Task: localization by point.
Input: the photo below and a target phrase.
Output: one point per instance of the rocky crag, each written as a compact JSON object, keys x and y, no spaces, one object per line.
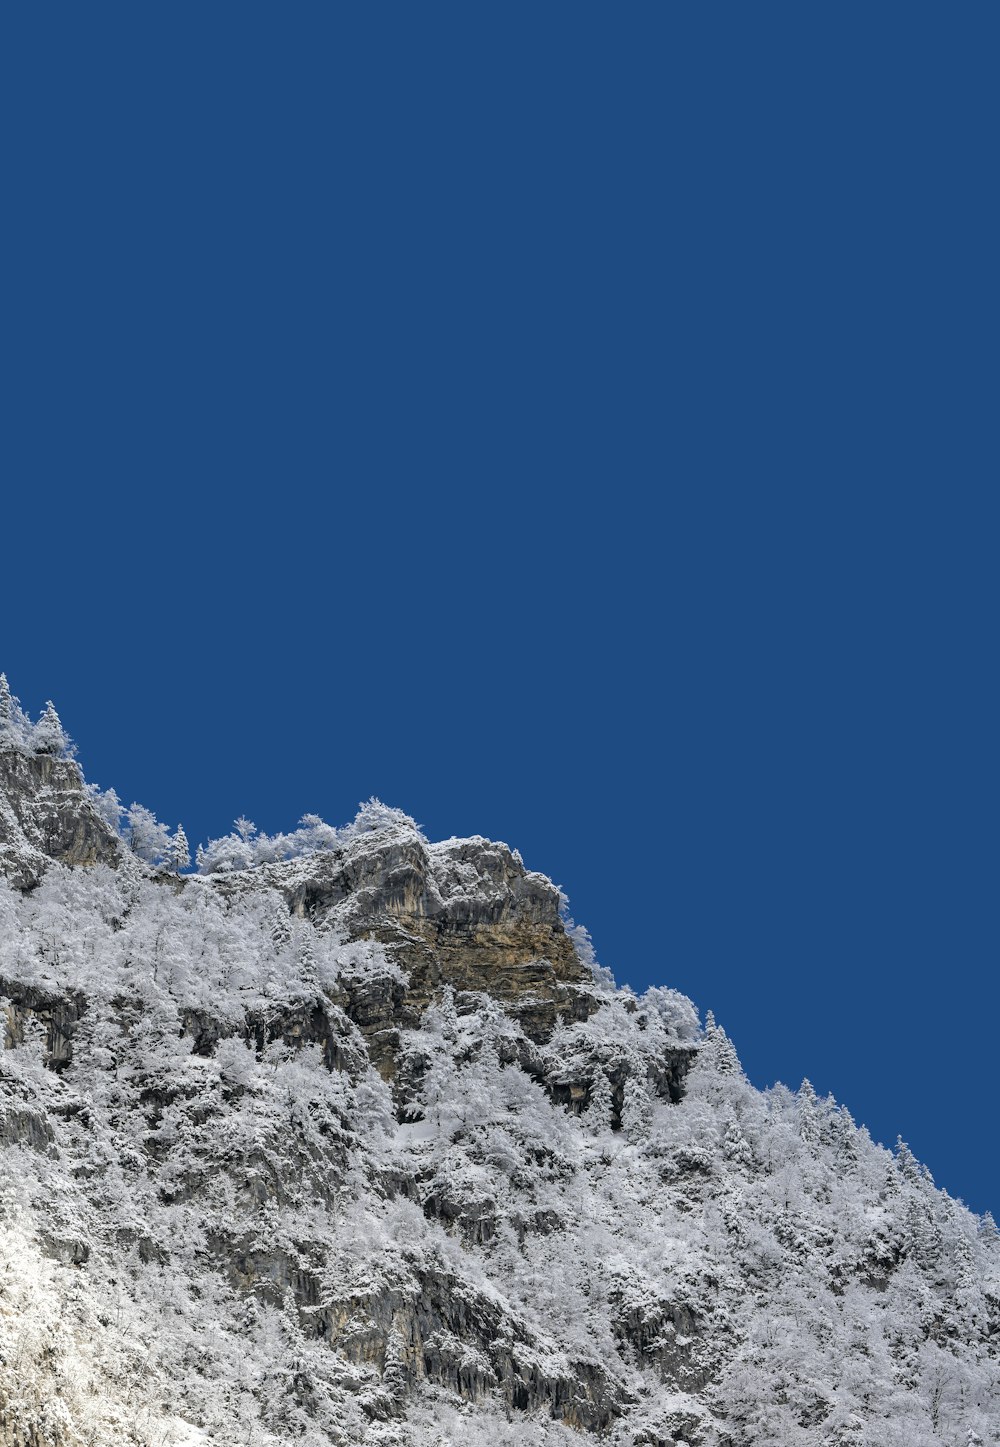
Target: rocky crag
{"x":355,"y":1144}
{"x":46,"y":816}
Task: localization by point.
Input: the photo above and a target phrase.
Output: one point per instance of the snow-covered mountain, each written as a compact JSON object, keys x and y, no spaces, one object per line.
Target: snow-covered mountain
{"x":347,"y":1139}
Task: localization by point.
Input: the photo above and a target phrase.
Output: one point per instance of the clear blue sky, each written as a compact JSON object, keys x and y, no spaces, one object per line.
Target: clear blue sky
{"x":575,"y":424}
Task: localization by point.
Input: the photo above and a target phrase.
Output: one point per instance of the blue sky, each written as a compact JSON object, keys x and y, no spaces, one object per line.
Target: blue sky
{"x":572,"y":424}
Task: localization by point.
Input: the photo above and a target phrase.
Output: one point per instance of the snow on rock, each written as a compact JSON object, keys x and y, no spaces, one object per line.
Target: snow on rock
{"x":46,"y":814}
{"x":349,"y":1141}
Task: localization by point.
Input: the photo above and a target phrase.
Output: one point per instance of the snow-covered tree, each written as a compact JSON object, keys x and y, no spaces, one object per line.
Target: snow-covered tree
{"x":178,"y":852}
{"x":15,"y":727}
{"x":637,"y":1109}
{"x":247,"y":847}
{"x":906,"y":1161}
{"x":313,"y":833}
{"x":736,"y":1146}
{"x":108,"y":806}
{"x":373,"y":817}
{"x":48,"y":736}
{"x":147,"y":837}
{"x":600,"y":1108}
{"x":211,"y":1210}
{"x":6,"y":705}
{"x":222,"y":856}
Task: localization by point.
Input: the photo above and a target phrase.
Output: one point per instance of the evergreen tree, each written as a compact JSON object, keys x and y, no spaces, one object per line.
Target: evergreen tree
{"x":438,"y":1096}
{"x":178,"y":855}
{"x":308,"y":972}
{"x":601,"y":1107}
{"x":11,"y":717}
{"x":395,"y":1374}
{"x":637,"y":1110}
{"x":906,"y":1162}
{"x":720,"y":1049}
{"x":846,"y":1142}
{"x":281,"y":929}
{"x":808,"y":1113}
{"x":48,"y":735}
{"x":735,"y":1145}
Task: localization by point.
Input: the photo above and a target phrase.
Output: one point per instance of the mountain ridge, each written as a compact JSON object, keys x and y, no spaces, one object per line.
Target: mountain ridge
{"x":356,"y":1145}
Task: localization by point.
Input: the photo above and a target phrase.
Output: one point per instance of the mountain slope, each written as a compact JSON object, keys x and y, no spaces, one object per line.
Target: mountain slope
{"x":354,"y":1144}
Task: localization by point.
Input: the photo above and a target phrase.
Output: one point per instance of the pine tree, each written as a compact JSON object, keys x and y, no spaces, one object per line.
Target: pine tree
{"x":720,"y":1049}
{"x":10,"y":730}
{"x":808,"y":1113}
{"x":735,"y":1145}
{"x":178,"y":855}
{"x":601,"y":1106}
{"x":48,"y":735}
{"x":308,"y":972}
{"x":846,"y":1142}
{"x":637,"y":1110}
{"x":281,"y":930}
{"x":396,"y":1372}
{"x":906,"y":1162}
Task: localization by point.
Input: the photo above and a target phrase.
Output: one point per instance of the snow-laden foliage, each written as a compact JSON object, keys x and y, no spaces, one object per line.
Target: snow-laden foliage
{"x":17,"y":731}
{"x":246,"y":846}
{"x":139,"y":828}
{"x":108,"y":806}
{"x":220,"y":1224}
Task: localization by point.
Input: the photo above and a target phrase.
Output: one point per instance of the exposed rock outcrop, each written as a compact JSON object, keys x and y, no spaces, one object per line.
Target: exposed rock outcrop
{"x":355,"y":1148}
{"x":464,"y":913}
{"x":46,"y":814}
{"x":54,"y":1013}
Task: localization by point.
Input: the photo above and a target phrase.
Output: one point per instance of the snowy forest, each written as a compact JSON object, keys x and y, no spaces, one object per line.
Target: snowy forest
{"x":154,"y":842}
{"x":348,"y":1139}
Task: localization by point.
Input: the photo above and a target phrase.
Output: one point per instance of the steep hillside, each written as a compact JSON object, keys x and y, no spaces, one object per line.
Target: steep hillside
{"x":346,"y":1139}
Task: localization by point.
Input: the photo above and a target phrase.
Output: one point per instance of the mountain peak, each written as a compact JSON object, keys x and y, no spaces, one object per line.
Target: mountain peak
{"x":346,"y":1139}
{"x":464,"y":913}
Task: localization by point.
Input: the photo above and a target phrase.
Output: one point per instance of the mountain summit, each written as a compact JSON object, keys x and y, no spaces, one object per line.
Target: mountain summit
{"x":346,"y":1138}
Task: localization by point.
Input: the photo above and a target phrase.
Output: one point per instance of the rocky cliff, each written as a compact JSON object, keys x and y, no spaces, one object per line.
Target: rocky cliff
{"x":46,"y":815}
{"x":356,"y":1147}
{"x":464,"y":914}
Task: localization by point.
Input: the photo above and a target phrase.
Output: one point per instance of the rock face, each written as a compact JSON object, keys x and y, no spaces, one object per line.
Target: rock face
{"x":46,"y":815}
{"x":356,"y":1148}
{"x":464,"y":913}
